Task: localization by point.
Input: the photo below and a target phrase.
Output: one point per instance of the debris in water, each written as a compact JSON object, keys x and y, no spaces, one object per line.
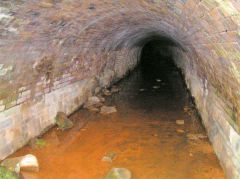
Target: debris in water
{"x":156,"y":87}
{"x":142,"y":89}
{"x":109,"y":157}
{"x":108,"y":109}
{"x":180,"y":122}
{"x":196,"y":136}
{"x":180,"y":131}
{"x":118,"y":173}
{"x":5,"y":173}
{"x":158,"y":80}
{"x":62,"y":121}
{"x":27,"y":163}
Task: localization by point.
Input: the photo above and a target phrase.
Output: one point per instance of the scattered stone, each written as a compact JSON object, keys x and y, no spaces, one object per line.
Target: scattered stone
{"x":109,"y":157}
{"x":93,"y":100}
{"x":108,"y":109}
{"x":196,"y":136}
{"x":27,"y":163}
{"x":158,"y":80}
{"x":106,"y":92}
{"x":180,"y":122}
{"x":97,"y":90}
{"x":156,"y":87}
{"x":114,"y":89}
{"x":118,"y":173}
{"x":189,"y":110}
{"x":93,"y":108}
{"x":180,"y":131}
{"x":62,"y":121}
{"x":5,"y":173}
{"x":186,"y":108}
{"x":102,"y":99}
{"x":37,"y":143}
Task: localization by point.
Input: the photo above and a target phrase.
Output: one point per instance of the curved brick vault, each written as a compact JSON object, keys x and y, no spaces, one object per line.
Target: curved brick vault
{"x":54,"y":53}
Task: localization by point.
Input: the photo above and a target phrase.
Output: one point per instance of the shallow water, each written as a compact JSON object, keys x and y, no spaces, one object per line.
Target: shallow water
{"x":143,"y":132}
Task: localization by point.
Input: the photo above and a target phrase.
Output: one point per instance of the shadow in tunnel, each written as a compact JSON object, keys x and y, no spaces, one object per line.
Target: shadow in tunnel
{"x":156,"y":83}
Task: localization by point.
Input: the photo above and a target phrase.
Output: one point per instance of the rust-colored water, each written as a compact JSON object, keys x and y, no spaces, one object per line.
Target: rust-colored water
{"x":143,"y":132}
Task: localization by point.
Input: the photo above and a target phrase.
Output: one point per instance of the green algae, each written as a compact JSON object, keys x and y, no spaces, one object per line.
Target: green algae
{"x":7,"y":174}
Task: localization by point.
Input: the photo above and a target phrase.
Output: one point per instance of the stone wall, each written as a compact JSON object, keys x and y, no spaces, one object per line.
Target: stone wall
{"x":53,"y":53}
{"x":216,"y":113}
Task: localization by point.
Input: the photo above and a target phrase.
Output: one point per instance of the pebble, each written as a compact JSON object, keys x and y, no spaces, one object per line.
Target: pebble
{"x":108,"y":109}
{"x":118,"y":173}
{"x":180,"y":122}
{"x":196,"y":136}
{"x":114,"y":89}
{"x":93,"y":100}
{"x":156,"y":87}
{"x":109,"y":157}
{"x":180,"y":131}
{"x":106,"y":92}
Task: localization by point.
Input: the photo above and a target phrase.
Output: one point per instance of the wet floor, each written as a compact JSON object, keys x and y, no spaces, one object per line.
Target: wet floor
{"x":143,"y":132}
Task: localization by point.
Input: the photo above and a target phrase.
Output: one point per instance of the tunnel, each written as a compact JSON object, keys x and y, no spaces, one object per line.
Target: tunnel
{"x":55,"y":54}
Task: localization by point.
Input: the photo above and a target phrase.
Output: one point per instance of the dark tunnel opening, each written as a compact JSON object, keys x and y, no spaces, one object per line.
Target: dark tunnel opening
{"x":157,"y":81}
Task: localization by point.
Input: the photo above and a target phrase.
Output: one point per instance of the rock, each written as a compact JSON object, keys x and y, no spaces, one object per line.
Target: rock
{"x":142,"y":89}
{"x":5,"y":173}
{"x":97,"y":90}
{"x":94,"y":100}
{"x":62,"y":121}
{"x":109,"y":157}
{"x":118,"y":173}
{"x":158,"y":80}
{"x":102,"y":99}
{"x":180,"y":122}
{"x":108,"y":109}
{"x":106,"y":92}
{"x":114,"y":89}
{"x":37,"y":143}
{"x":28,"y":163}
{"x":196,"y":136}
{"x":156,"y":87}
{"x":93,"y":108}
{"x":186,"y":108}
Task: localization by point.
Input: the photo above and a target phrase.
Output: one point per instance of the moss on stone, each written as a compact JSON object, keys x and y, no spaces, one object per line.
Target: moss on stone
{"x":7,"y":174}
{"x":62,"y":121}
